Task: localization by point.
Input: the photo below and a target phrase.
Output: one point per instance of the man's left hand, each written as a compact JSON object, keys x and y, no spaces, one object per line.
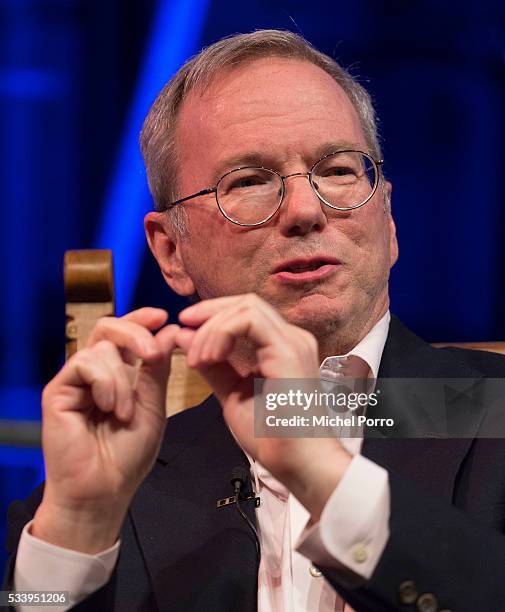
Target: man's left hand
{"x":310,"y":468}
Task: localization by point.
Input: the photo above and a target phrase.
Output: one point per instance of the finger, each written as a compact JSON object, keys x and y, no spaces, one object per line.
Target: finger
{"x":184,"y":338}
{"x":197,"y":314}
{"x":221,"y":377}
{"x":129,"y":358}
{"x":288,"y":351}
{"x":123,"y":388}
{"x":153,"y":375}
{"x":152,"y":318}
{"x":126,"y":335}
{"x":203,"y":344}
{"x":86,"y":369}
{"x":215,"y":339}
{"x":58,"y":398}
{"x":165,"y":338}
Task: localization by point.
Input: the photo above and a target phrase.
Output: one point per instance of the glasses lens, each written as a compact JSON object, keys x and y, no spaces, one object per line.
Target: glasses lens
{"x":346,"y":179}
{"x":249,"y":195}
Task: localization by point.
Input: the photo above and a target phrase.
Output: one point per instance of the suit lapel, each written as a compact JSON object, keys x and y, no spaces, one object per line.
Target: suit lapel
{"x":198,"y":557}
{"x":433,"y":463}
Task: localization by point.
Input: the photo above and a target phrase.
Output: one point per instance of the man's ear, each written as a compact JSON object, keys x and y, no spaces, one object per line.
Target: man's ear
{"x":164,"y":243}
{"x":393,"y":242}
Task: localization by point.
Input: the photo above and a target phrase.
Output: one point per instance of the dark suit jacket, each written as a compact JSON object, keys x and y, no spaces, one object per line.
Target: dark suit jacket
{"x":180,"y":553}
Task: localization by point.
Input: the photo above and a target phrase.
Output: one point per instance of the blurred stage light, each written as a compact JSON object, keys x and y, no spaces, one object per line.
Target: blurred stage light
{"x":175,"y":35}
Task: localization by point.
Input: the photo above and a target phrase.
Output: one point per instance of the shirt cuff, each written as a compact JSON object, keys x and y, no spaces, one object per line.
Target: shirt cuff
{"x":354,"y":526}
{"x":41,"y":566}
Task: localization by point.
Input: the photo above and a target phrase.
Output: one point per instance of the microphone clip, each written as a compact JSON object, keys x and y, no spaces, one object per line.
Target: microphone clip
{"x":227,"y":501}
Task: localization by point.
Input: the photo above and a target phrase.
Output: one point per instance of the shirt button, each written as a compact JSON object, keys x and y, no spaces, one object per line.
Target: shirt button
{"x":314,"y":572}
{"x":359,"y":553}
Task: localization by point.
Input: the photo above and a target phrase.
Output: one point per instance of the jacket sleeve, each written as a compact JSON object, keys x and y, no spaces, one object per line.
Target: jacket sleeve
{"x":437,"y":555}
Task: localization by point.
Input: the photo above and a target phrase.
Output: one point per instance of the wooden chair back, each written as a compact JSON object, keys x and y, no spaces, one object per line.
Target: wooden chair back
{"x":89,"y":292}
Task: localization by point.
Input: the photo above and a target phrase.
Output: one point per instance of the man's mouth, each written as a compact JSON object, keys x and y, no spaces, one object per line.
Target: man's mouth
{"x":305,"y":270}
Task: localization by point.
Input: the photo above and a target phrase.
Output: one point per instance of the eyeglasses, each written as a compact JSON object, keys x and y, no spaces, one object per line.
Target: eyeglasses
{"x":251,"y":196}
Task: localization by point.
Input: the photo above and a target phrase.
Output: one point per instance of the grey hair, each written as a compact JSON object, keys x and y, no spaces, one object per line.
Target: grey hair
{"x":157,"y":139}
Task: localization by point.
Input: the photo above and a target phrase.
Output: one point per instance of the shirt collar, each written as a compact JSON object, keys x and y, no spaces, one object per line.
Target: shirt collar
{"x":371,"y":347}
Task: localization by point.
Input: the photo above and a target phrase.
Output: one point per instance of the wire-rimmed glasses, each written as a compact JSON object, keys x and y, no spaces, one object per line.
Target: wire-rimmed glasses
{"x":250,"y":196}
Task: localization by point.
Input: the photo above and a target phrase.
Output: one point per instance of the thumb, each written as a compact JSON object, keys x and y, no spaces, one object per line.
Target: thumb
{"x":223,"y":378}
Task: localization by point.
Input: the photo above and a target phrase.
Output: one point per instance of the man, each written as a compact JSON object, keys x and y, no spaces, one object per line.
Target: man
{"x":266,"y":154}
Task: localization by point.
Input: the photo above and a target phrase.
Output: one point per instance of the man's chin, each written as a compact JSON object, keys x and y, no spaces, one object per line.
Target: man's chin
{"x":317,"y":316}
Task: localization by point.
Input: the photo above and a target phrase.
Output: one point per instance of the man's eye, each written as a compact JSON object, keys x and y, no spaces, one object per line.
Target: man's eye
{"x":340,"y":171}
{"x":247,"y":182}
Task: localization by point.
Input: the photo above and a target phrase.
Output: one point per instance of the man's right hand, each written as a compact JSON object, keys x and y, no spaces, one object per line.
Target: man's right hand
{"x":103,"y":421}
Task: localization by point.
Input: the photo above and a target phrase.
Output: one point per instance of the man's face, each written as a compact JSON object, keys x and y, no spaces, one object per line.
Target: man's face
{"x":282,"y":114}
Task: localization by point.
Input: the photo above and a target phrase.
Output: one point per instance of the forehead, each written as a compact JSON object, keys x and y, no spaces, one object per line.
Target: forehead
{"x":277,"y":106}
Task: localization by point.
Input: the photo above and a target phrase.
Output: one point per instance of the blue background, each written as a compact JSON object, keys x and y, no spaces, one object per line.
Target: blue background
{"x":76,"y":79}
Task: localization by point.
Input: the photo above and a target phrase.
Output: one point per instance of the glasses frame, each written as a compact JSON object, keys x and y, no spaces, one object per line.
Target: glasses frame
{"x":377,"y":164}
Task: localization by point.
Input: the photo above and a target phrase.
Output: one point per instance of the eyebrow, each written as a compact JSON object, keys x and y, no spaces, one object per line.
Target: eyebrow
{"x":255,"y":158}
{"x":238,"y":161}
{"x":337,"y":145}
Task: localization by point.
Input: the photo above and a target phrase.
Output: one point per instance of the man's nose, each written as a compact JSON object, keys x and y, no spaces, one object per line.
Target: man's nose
{"x":301,"y":211}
